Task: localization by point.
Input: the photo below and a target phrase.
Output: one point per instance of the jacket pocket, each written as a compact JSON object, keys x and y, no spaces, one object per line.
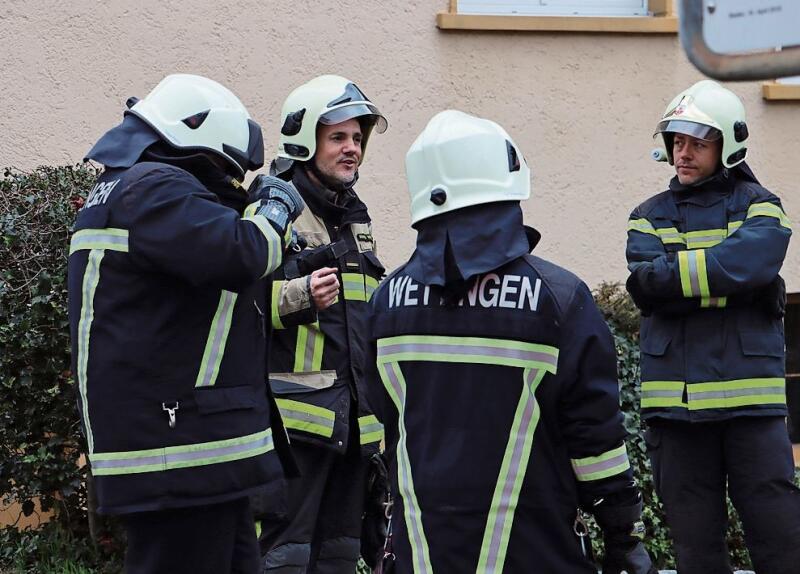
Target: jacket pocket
{"x":761,"y":344}
{"x":655,"y":338}
{"x":221,"y":399}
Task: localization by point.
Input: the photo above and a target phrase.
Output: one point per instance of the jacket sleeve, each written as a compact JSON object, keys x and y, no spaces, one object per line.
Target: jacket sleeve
{"x":292,"y":304}
{"x":179,"y":228}
{"x":589,"y":411}
{"x":747,"y":260}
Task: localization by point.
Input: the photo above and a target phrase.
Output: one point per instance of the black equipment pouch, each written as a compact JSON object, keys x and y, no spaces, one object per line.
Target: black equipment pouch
{"x":309,"y":260}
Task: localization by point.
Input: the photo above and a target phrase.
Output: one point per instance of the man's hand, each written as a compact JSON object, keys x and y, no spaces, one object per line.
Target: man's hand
{"x":276,"y":200}
{"x":623,"y":533}
{"x":324,"y":287}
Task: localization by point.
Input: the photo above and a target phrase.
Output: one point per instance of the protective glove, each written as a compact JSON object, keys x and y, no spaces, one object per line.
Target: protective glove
{"x":277,"y":201}
{"x":375,"y":522}
{"x":623,"y":533}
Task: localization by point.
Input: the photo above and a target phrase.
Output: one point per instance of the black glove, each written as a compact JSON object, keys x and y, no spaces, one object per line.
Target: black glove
{"x":276,"y":200}
{"x":623,"y":532}
{"x":375,"y":524}
{"x":772,"y":298}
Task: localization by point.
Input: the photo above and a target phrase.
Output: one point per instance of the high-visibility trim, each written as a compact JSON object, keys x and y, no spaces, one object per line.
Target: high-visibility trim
{"x":693,"y":273}
{"x":309,"y":347}
{"x":736,"y":393}
{"x":395,"y":384}
{"x":308,"y":418}
{"x":733,"y":226}
{"x":604,"y":465}
{"x":660,"y":394}
{"x":91,"y":278}
{"x":468,"y":350}
{"x":274,"y":246}
{"x":216,"y":341}
{"x":183,"y":456}
{"x":704,"y":238}
{"x":512,"y":473}
{"x":110,"y":239}
{"x":713,"y":302}
{"x":358,"y":286}
{"x":642,"y":226}
{"x":697,"y":239}
{"x":277,"y":287}
{"x":370,"y":429}
{"x":767,"y":209}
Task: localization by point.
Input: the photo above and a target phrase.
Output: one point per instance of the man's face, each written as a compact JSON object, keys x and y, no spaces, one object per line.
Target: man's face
{"x":695,"y":159}
{"x":339,"y":150}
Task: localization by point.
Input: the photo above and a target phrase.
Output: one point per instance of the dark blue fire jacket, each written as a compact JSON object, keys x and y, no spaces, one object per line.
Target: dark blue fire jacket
{"x":168,"y":343}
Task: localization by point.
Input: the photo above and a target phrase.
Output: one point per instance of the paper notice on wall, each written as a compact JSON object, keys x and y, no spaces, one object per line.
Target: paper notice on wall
{"x":740,"y":26}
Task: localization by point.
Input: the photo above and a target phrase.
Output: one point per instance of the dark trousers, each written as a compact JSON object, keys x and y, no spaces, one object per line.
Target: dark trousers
{"x":213,"y":539}
{"x":321,"y":532}
{"x":692,"y":465}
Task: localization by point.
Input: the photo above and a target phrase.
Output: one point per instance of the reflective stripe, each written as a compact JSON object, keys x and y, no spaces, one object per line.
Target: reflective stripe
{"x":277,"y":286}
{"x":370,"y":429}
{"x":704,"y":238}
{"x":700,"y":238}
{"x":713,"y":302}
{"x":468,"y":350}
{"x":737,"y":393}
{"x":642,"y":226}
{"x":91,"y":278}
{"x":693,"y":274}
{"x":274,"y":247}
{"x":183,"y":456}
{"x":512,"y":472}
{"x":308,"y":418}
{"x":601,"y":466}
{"x":395,"y":384}
{"x":358,"y":287}
{"x":733,"y":226}
{"x":670,"y":235}
{"x":109,"y":238}
{"x":767,"y":209}
{"x":217,"y":338}
{"x":714,"y":395}
{"x":308,"y":352}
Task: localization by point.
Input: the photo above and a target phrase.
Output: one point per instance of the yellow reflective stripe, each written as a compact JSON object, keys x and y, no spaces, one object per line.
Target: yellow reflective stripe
{"x":693,"y":273}
{"x":657,"y":394}
{"x":737,"y":393}
{"x":767,"y":209}
{"x":308,"y":352}
{"x":601,"y":466}
{"x":182,"y":456}
{"x":274,"y":306}
{"x":670,"y":235}
{"x":702,"y":272}
{"x":733,"y":226}
{"x":274,"y":248}
{"x":216,"y":341}
{"x":642,"y":226}
{"x":358,"y":286}
{"x":305,"y":417}
{"x":110,"y":239}
{"x":91,"y":278}
{"x":683,"y":271}
{"x":704,"y":238}
{"x":370,"y":429}
{"x":713,"y":302}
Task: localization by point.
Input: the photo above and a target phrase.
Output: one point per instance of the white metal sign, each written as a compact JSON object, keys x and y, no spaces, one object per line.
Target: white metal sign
{"x":740,"y":26}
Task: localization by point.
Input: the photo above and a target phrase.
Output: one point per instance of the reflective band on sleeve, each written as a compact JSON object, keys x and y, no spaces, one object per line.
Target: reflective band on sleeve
{"x":512,"y":473}
{"x":693,"y":274}
{"x":370,"y":429}
{"x":217,"y":338}
{"x":468,"y":350}
{"x":737,"y":393}
{"x":642,"y":226}
{"x":713,"y":302}
{"x":274,"y":252}
{"x":395,"y":384}
{"x":733,"y":226}
{"x":601,"y":466}
{"x":91,"y":278}
{"x":308,"y":418}
{"x":767,"y":209}
{"x":704,"y":238}
{"x":308,"y":352}
{"x":110,"y":239}
{"x":183,"y":456}
{"x":358,"y":287}
{"x":663,"y":394}
{"x":277,"y":287}
{"x":669,"y":235}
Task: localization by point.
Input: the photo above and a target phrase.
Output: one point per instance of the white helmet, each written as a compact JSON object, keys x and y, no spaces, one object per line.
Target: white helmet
{"x":195,"y":113}
{"x":460,"y":160}
{"x":707,"y":111}
{"x":328,"y":100}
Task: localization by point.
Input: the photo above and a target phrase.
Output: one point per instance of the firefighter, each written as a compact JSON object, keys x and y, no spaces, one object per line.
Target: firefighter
{"x":168,"y":346}
{"x":319,"y":306}
{"x":704,"y":258}
{"x":497,"y":377}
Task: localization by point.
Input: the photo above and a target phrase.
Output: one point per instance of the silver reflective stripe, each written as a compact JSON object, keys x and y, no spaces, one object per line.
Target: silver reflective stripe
{"x":420,"y":555}
{"x":370,"y":429}
{"x":91,"y":277}
{"x":602,"y":466}
{"x":183,"y":456}
{"x":309,"y":418}
{"x":512,"y":473}
{"x":693,"y":279}
{"x":109,"y":238}
{"x":274,"y":255}
{"x":217,"y":338}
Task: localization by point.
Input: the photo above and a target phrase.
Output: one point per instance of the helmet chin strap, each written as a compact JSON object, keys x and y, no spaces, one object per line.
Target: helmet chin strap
{"x":329,"y":182}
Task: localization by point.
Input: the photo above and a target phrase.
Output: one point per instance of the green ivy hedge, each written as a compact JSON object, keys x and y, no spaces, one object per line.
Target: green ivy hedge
{"x":40,"y":437}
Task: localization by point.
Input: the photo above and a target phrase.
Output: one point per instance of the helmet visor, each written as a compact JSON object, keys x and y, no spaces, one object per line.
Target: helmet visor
{"x":355,"y":110}
{"x":694,"y":129}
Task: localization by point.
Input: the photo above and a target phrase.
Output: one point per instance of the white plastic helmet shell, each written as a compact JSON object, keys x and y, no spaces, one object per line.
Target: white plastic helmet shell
{"x":329,"y":100}
{"x":705,"y":105}
{"x":193,"y":112}
{"x":461,"y":160}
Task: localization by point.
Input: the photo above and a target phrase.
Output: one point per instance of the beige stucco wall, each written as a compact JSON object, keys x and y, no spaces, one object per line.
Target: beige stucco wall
{"x":581,"y":106}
